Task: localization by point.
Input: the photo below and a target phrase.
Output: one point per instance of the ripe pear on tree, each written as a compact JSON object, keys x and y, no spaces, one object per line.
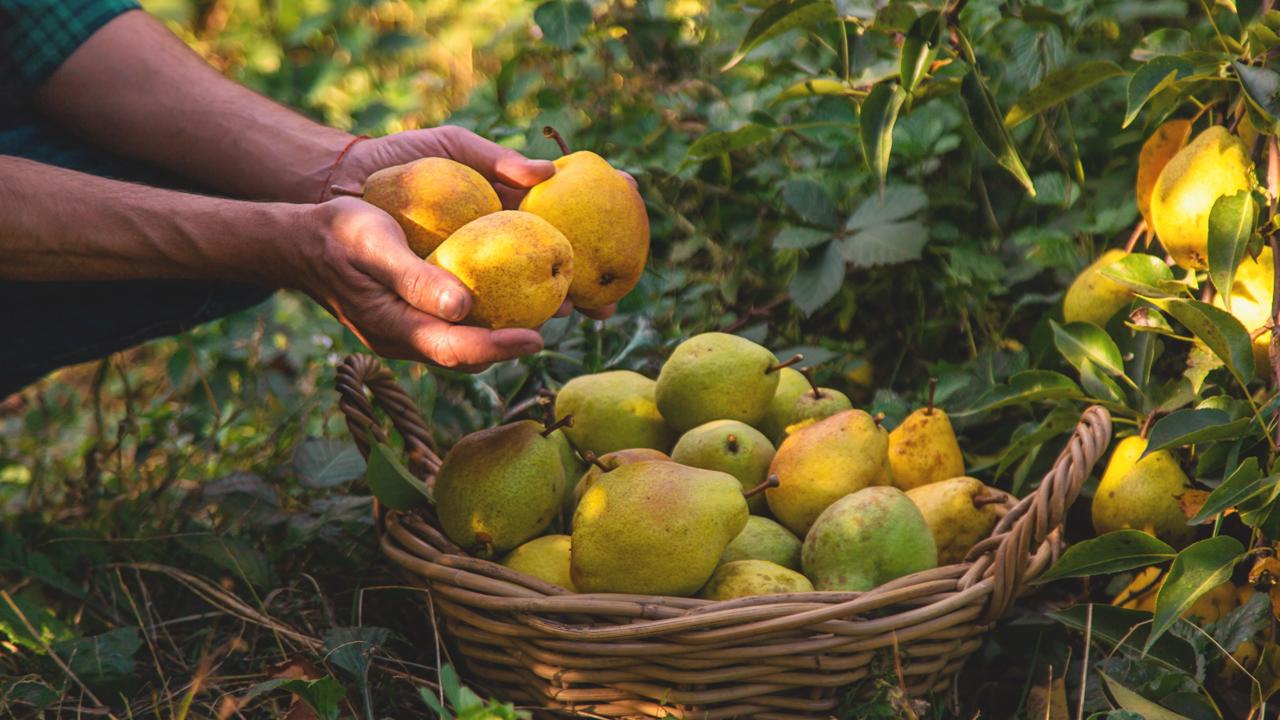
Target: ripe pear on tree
{"x":717,"y":376}
{"x":605,"y":220}
{"x":1142,"y":494}
{"x":1250,"y":303}
{"x":499,"y":487}
{"x":1093,"y":297}
{"x":430,"y":198}
{"x":764,"y":539}
{"x":732,"y":447}
{"x":1213,"y":165}
{"x":516,"y":265}
{"x":745,"y":578}
{"x":923,"y":449}
{"x":546,"y":558}
{"x":960,"y":512}
{"x":613,"y":411}
{"x":866,"y":539}
{"x":654,"y":528}
{"x":822,"y":463}
{"x":1156,"y":152}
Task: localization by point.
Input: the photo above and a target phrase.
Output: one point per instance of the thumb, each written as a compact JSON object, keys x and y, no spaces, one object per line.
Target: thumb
{"x":429,"y":288}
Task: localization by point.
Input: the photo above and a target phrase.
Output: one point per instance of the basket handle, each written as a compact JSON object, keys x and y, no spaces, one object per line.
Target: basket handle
{"x":358,"y":372}
{"x":1022,"y":531}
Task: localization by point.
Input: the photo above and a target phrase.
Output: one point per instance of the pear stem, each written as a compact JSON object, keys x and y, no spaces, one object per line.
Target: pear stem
{"x":808,"y":375}
{"x":552,"y":133}
{"x":770,"y":482}
{"x":878,"y":418}
{"x":981,"y":501}
{"x":594,"y":460}
{"x":933,"y":389}
{"x":566,"y":421}
{"x":344,"y":190}
{"x":1147,"y":423}
{"x":784,"y":364}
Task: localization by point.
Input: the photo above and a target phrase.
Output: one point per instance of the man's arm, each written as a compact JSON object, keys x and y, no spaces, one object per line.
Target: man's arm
{"x":352,"y":258}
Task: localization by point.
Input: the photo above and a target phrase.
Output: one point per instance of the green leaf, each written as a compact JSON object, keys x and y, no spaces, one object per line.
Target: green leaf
{"x":876,"y":119}
{"x":1195,"y":571}
{"x":1025,"y":387}
{"x":726,"y":141}
{"x":811,"y":201}
{"x":799,"y":238}
{"x":1058,"y":87}
{"x":886,"y":244}
{"x":351,"y":649}
{"x":1117,"y":626}
{"x":391,"y":482}
{"x":1141,"y":273}
{"x":1154,"y":76}
{"x":323,"y":463}
{"x":1262,"y":87}
{"x":1080,"y":342}
{"x":102,"y":661}
{"x":814,"y":87}
{"x":987,"y":122}
{"x":1231,"y":224}
{"x":1096,"y":383}
{"x":1110,"y":553}
{"x":778,"y":19}
{"x":1244,"y":484}
{"x":323,"y":696}
{"x":920,"y":48}
{"x":232,"y":554}
{"x":1190,"y":427}
{"x":818,"y":279}
{"x":1133,"y":702}
{"x":1225,"y":337}
{"x":897,"y":202}
{"x":563,"y":21}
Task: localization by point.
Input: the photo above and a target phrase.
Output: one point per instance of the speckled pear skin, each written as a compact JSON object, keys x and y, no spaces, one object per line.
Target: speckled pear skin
{"x":1142,"y":494}
{"x":957,"y":522}
{"x":923,"y":449}
{"x":716,"y":376}
{"x":605,"y":220}
{"x":546,"y":558}
{"x":516,"y":265}
{"x":866,"y":539}
{"x":612,"y":461}
{"x":764,"y":539}
{"x":499,"y":487}
{"x":821,"y":463}
{"x":613,"y":411}
{"x":745,"y":578}
{"x":654,"y":528}
{"x":732,"y":447}
{"x":431,"y":198}
{"x":1093,"y":297}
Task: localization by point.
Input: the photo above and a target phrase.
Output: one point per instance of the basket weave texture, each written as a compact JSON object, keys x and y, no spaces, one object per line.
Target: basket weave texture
{"x":770,"y":657}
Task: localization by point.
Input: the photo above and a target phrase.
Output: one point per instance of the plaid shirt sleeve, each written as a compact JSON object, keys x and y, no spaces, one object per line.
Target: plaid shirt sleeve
{"x":37,"y":36}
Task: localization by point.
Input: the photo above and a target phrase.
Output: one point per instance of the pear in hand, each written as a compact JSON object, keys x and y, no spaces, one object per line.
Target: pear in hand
{"x":605,"y":220}
{"x":960,"y":512}
{"x":431,"y":198}
{"x":613,"y":411}
{"x":716,"y":376}
{"x":654,"y":528}
{"x":1142,"y":494}
{"x":764,"y":539}
{"x":744,"y":578}
{"x":732,"y":447}
{"x":923,"y":449}
{"x":822,"y":463}
{"x":499,"y":487}
{"x":516,"y":265}
{"x":546,"y":558}
{"x":867,"y":539}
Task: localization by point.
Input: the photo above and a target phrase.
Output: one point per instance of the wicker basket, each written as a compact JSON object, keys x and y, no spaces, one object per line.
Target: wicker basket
{"x":776,"y":656}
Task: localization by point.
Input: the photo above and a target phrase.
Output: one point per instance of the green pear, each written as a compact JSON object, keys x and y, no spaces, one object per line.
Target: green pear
{"x":866,"y":539}
{"x":716,"y":376}
{"x":546,"y":558}
{"x":573,"y":465}
{"x":613,"y":411}
{"x":923,"y":449}
{"x":764,"y":539}
{"x":791,"y":385}
{"x":604,"y":218}
{"x":499,"y":487}
{"x":654,"y":528}
{"x":744,"y":578}
{"x":960,"y":512}
{"x":1142,"y":494}
{"x":609,"y":462}
{"x":732,"y":447}
{"x":431,"y":198}
{"x":822,"y":463}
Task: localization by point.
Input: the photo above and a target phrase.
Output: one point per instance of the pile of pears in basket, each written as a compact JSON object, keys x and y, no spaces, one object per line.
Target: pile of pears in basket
{"x":731,"y":475}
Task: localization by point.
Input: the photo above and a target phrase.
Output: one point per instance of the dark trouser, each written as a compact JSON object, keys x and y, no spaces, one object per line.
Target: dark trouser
{"x":48,"y":325}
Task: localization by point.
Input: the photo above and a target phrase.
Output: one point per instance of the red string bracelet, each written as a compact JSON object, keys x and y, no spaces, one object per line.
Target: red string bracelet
{"x":324,"y":189}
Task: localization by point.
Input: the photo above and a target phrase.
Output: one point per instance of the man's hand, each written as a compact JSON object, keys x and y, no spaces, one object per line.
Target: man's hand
{"x":363,"y":272}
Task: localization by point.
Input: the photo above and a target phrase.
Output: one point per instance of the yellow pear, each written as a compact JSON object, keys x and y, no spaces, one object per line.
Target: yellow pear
{"x":821,"y":463}
{"x":1140,"y":594}
{"x":546,"y":558}
{"x":516,"y":265}
{"x":1093,"y":298}
{"x":431,"y":198}
{"x":605,"y":220}
{"x":1214,"y":164}
{"x":960,"y":512}
{"x":744,"y":578}
{"x":1156,"y":152}
{"x":1251,"y":294}
{"x":1142,"y":495}
{"x":923,"y":449}
{"x":612,"y":411}
{"x":608,"y":462}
